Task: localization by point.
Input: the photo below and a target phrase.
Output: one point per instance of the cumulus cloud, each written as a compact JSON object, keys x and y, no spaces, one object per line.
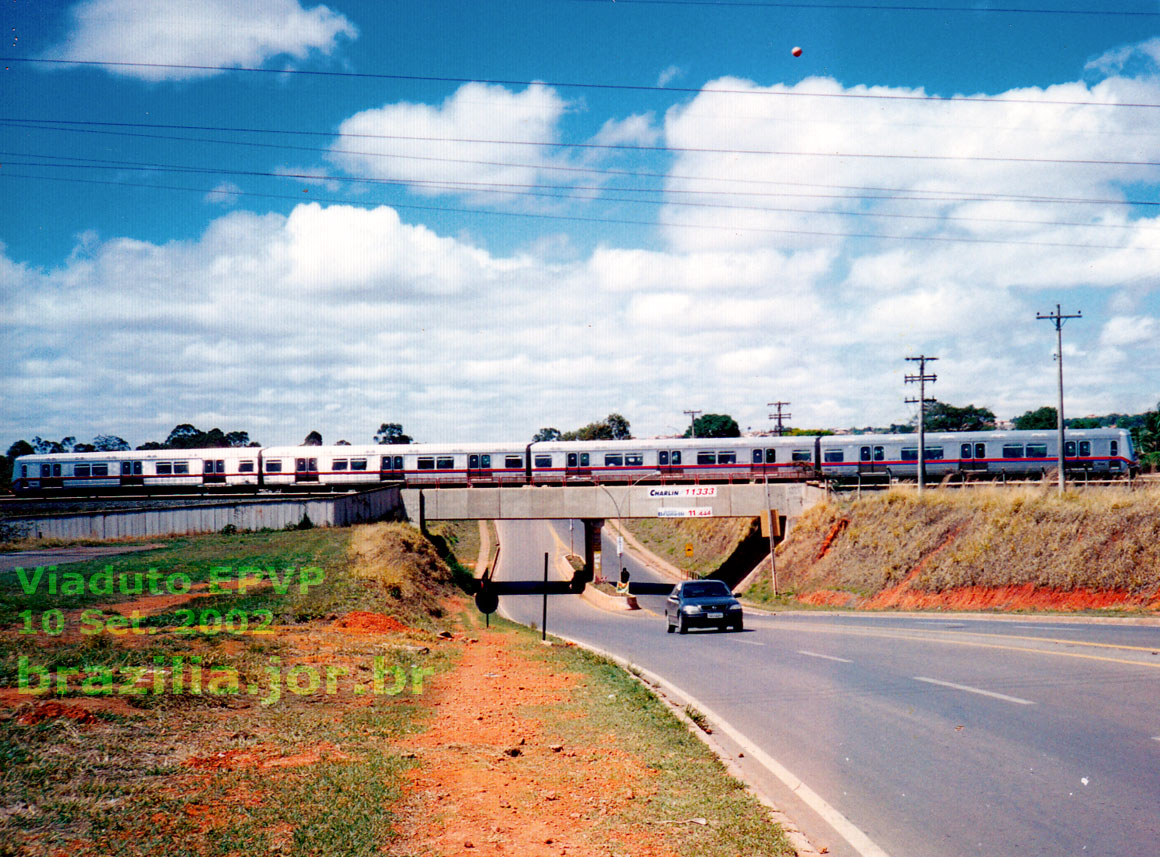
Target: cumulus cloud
{"x":205,"y":33}
{"x":483,"y":138}
{"x":224,"y":193}
{"x":1129,"y":60}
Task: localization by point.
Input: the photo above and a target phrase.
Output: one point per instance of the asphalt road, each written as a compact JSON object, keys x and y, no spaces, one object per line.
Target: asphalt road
{"x":929,"y":736}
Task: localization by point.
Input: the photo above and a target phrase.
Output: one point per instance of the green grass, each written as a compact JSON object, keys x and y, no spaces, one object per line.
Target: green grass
{"x":608,"y":707}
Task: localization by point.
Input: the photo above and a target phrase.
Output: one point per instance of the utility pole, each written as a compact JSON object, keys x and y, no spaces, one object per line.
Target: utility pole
{"x":779,"y":415}
{"x":693,"y":422}
{"x":921,"y":378}
{"x":1058,"y":318}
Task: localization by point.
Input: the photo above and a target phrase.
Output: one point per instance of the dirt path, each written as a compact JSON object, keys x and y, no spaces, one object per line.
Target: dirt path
{"x":490,"y":780}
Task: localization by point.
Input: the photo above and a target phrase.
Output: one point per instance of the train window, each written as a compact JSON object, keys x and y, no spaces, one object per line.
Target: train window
{"x":358,"y":464}
{"x":445,"y":462}
{"x":1069,"y":449}
{"x":81,"y":471}
{"x":385,"y":463}
{"x":573,"y":459}
{"x":473,"y":462}
{"x":56,"y":470}
{"x":300,"y":465}
{"x":584,"y":459}
{"x":543,"y":461}
{"x":125,"y":468}
{"x":727,"y":457}
{"x":706,"y":458}
{"x":980,"y":450}
{"x":1085,"y":448}
{"x":675,"y":458}
{"x":512,"y":461}
{"x":864,"y":453}
{"x":663,"y":458}
{"x":634,"y":459}
{"x":45,"y":470}
{"x":245,"y":467}
{"x":1012,"y":450}
{"x":757,"y":456}
{"x":339,"y":464}
{"x":426,"y":462}
{"x":965,"y":451}
{"x":879,"y":453}
{"x":273,"y":465}
{"x":100,"y":470}
{"x":934,"y":453}
{"x":24,"y":470}
{"x":1115,"y":447}
{"x":485,"y":461}
{"x":803,"y":455}
{"x":616,"y":460}
{"x":164,"y":468}
{"x":398,"y":462}
{"x":770,"y":456}
{"x":180,"y":467}
{"x":910,"y":453}
{"x":1037,"y":450}
{"x":136,"y":468}
{"x":834,"y":456}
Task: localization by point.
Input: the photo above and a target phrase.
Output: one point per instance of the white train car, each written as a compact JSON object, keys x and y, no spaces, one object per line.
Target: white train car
{"x":145,"y":471}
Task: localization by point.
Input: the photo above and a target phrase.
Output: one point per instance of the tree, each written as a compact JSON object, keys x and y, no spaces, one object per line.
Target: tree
{"x":109,"y":443}
{"x":48,"y":447}
{"x":546,"y":434}
{"x":1149,"y":437}
{"x":342,"y":443}
{"x":21,"y":447}
{"x":391,"y":433}
{"x":313,"y":439}
{"x":943,"y":417}
{"x":1041,"y":418}
{"x":613,"y":427}
{"x":714,"y":425}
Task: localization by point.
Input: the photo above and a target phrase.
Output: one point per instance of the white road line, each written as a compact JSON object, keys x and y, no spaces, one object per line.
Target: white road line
{"x":977,"y":690}
{"x":751,"y":642}
{"x":827,"y":657}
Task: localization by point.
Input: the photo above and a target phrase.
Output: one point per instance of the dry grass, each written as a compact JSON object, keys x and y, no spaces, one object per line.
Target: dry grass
{"x":713,"y":540}
{"x":1095,"y":539}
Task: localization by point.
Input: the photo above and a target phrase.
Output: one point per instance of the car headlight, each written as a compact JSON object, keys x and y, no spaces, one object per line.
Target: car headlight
{"x":691,"y":608}
{"x":734,"y":606}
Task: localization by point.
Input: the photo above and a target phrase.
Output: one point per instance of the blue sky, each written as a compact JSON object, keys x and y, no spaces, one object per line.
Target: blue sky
{"x":478,"y":219}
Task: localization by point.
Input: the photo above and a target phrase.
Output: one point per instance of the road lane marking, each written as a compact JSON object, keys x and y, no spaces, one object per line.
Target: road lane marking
{"x":751,"y":642}
{"x":977,"y":690}
{"x":827,"y":657}
{"x":916,"y":638}
{"x":862,"y":844}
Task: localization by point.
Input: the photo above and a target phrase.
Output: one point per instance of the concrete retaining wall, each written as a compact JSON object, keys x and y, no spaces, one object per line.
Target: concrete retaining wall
{"x":244,"y":514}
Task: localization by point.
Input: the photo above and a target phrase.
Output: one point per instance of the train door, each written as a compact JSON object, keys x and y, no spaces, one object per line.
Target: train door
{"x":973,"y":457}
{"x":764,"y":462}
{"x":214,"y":472}
{"x":579,"y":465}
{"x":391,"y":468}
{"x":131,"y":473}
{"x":669,"y":462}
{"x":479,"y":468}
{"x":871,"y":459}
{"x":306,"y":470}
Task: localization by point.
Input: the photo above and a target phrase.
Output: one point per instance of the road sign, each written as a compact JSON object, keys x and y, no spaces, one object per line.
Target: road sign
{"x":688,"y":548}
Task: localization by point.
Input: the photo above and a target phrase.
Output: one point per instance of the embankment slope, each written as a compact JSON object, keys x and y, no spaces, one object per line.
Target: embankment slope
{"x":989,"y":549}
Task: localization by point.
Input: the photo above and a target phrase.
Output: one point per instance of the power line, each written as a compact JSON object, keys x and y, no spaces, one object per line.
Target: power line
{"x":872,"y":7}
{"x":809,"y":233}
{"x":566,"y":84}
{"x":532,"y":191}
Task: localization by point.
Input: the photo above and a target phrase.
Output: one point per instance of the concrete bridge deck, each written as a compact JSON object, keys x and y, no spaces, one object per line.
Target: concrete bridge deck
{"x":556,"y":502}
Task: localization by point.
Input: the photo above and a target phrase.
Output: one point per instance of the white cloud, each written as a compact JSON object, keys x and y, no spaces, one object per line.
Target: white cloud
{"x":1138,"y":59}
{"x":225,"y":193}
{"x":638,"y":129}
{"x":1121,"y":331}
{"x":481,"y":139}
{"x":670,"y":74}
{"x":206,"y":33}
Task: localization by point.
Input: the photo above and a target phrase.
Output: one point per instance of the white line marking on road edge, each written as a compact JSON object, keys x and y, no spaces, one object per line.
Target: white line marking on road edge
{"x":859,"y":841}
{"x":827,"y":657}
{"x":977,"y":690}
{"x":751,"y":642}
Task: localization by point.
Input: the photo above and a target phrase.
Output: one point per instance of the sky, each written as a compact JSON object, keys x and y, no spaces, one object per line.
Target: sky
{"x":478,"y":219}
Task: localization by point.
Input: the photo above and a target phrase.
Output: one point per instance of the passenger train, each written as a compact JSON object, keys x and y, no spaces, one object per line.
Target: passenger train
{"x":1102,"y":452}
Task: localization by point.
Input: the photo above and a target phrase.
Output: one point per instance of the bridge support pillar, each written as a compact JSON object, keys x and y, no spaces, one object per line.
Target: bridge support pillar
{"x":592,"y":528}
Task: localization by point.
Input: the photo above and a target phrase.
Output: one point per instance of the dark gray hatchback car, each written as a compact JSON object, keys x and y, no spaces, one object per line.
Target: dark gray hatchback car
{"x":702,"y":604}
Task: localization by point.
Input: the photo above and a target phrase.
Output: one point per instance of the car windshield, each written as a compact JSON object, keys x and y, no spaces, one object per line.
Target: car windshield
{"x":705,"y":589}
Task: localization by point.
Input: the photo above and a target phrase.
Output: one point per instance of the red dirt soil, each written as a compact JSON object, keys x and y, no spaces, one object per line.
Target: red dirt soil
{"x":490,"y":783}
{"x":370,"y":623}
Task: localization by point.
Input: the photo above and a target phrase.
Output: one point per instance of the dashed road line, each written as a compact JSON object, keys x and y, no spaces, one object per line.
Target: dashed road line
{"x":977,"y":690}
{"x":827,"y":657}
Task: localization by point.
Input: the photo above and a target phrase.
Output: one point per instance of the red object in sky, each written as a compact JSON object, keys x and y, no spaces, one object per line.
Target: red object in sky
{"x":797,"y":52}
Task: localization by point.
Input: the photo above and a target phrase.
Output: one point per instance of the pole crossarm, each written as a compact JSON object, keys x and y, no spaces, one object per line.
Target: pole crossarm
{"x":922,"y":379}
{"x":1059,"y":319}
